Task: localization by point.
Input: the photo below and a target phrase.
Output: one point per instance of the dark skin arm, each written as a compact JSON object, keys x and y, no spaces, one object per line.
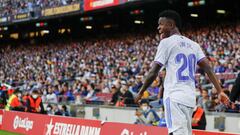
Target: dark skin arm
{"x":161,"y":88}
{"x":152,"y":75}
{"x":160,"y":94}
{"x":204,"y":64}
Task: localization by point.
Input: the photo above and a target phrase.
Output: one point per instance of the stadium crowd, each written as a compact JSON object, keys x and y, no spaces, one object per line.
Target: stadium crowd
{"x":13,"y":7}
{"x":79,"y":71}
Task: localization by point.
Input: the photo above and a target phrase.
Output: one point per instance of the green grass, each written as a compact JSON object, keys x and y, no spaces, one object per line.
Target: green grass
{"x":2,"y":132}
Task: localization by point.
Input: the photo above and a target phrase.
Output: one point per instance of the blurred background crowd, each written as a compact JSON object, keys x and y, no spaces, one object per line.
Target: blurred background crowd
{"x":13,"y":7}
{"x":111,"y":71}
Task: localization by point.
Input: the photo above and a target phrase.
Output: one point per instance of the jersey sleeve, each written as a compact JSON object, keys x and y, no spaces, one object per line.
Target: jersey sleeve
{"x":162,"y":54}
{"x":200,"y":54}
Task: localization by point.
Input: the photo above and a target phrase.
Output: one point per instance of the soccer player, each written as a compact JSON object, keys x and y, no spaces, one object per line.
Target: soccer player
{"x":180,"y":56}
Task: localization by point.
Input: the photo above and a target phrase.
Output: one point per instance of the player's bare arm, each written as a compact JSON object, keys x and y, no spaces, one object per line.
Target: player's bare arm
{"x":152,"y":75}
{"x":160,"y":94}
{"x":204,"y":64}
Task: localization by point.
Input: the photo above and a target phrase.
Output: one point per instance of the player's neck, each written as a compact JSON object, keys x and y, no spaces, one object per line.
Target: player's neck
{"x":175,"y":31}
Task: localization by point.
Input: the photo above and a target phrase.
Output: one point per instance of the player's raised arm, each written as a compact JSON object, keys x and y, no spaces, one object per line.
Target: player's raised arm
{"x":148,"y":80}
{"x":204,"y":64}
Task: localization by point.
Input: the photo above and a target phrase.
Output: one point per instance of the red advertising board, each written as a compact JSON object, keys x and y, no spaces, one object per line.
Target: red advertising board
{"x":35,"y":124}
{"x":1,"y":117}
{"x":199,"y":132}
{"x":24,"y":123}
{"x":97,"y":4}
{"x":110,"y":128}
{"x":71,"y":126}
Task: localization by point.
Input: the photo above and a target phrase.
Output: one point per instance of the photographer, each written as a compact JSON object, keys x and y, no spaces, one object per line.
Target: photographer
{"x":14,"y":101}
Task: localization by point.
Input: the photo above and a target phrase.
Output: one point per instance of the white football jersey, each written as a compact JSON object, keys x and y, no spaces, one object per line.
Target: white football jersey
{"x":180,"y":56}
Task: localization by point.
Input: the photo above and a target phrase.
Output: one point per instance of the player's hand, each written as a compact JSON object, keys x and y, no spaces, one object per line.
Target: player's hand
{"x":224,"y":99}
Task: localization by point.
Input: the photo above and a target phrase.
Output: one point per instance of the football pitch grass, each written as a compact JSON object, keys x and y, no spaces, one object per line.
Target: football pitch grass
{"x":2,"y":132}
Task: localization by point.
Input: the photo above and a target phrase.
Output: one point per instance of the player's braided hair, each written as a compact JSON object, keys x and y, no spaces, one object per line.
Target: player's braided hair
{"x":171,"y":14}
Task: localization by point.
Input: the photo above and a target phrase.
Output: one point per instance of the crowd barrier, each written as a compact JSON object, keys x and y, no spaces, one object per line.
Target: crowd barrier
{"x":37,"y":124}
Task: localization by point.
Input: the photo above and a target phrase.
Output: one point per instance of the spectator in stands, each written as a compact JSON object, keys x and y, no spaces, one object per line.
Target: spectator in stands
{"x":115,"y":95}
{"x":125,"y":95}
{"x":56,"y":90}
{"x":70,"y":96}
{"x":34,"y":103}
{"x":49,"y":109}
{"x":57,"y":110}
{"x":91,"y":92}
{"x":3,"y":98}
{"x":83,"y":91}
{"x":62,"y":89}
{"x":204,"y":101}
{"x":138,"y":84}
{"x":51,"y":97}
{"x":219,"y":68}
{"x":146,"y":116}
{"x":214,"y":100}
{"x":79,"y":100}
{"x":65,"y":111}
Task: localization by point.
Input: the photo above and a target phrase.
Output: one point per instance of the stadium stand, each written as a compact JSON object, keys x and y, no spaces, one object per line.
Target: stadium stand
{"x":12,"y":7}
{"x":90,"y":68}
{"x":88,"y":59}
